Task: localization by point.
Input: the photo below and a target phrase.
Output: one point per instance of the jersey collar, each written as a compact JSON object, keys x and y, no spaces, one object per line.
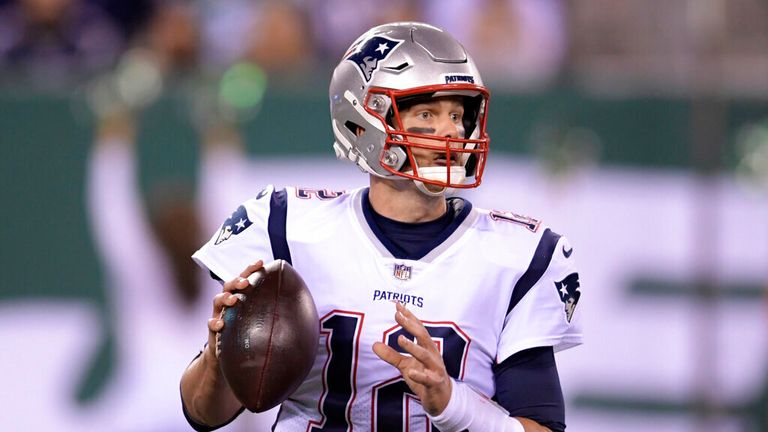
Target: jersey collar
{"x":463,"y":219}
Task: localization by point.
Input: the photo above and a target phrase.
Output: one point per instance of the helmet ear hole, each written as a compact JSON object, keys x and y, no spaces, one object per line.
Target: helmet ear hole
{"x":354,"y":128}
{"x":471,"y":112}
{"x":471,"y":165}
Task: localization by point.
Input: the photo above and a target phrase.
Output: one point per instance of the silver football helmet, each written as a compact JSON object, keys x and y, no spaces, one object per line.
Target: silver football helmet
{"x":388,"y":68}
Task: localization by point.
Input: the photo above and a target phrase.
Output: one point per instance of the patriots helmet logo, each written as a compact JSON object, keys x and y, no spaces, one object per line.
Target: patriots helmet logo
{"x":569,"y":292}
{"x":236,"y":224}
{"x":370,"y":53}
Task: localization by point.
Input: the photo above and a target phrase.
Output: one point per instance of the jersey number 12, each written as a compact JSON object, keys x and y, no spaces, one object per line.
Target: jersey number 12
{"x":390,"y":398}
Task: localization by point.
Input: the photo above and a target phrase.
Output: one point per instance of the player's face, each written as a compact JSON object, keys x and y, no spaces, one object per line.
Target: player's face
{"x":441,"y":117}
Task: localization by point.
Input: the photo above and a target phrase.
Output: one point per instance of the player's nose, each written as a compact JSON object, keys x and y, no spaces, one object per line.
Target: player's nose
{"x":447,"y":127}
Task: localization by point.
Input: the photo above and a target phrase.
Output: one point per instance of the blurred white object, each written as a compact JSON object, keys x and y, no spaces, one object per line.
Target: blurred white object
{"x":48,"y":345}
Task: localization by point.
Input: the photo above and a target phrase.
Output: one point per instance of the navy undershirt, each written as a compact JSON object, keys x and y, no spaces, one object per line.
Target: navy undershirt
{"x":414,"y":240}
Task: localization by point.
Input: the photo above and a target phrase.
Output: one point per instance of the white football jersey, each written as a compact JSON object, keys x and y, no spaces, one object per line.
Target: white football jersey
{"x":498,"y":284}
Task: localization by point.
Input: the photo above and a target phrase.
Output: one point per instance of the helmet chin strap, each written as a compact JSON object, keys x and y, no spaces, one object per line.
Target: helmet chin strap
{"x":458,"y":174}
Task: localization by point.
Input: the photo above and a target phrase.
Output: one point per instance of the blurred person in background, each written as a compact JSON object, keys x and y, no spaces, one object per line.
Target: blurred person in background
{"x":128,"y":15}
{"x":163,"y":60}
{"x":52,"y":43}
{"x":279,"y":38}
{"x":224,"y":25}
{"x":172,"y":36}
{"x":399,"y":11}
{"x":275,"y":35}
{"x":520,"y":43}
{"x":152,"y":291}
{"x":156,"y":293}
{"x":336,"y":22}
{"x":154,"y":288}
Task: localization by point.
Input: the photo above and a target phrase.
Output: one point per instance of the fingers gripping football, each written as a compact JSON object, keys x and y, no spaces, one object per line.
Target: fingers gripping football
{"x":228,"y":298}
{"x":424,"y":370}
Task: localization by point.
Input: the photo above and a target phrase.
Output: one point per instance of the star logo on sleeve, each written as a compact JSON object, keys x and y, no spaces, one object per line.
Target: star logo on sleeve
{"x":236,"y":224}
{"x":569,"y":292}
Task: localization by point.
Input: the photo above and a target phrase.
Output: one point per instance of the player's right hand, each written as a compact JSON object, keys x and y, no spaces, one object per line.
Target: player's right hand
{"x":227,"y":298}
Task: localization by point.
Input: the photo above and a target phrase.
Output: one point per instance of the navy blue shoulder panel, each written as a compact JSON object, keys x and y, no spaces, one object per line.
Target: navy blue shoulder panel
{"x":278,"y":212}
{"x":541,"y":259}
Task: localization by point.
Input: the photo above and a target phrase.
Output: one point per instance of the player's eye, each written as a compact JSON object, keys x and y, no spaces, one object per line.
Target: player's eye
{"x":424,"y":115}
{"x":456,"y":117}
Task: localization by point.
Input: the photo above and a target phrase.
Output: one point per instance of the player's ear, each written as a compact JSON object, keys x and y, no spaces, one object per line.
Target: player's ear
{"x":355,"y":128}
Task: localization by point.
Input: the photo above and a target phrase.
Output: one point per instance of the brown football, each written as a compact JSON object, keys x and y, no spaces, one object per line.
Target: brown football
{"x":270,"y":337}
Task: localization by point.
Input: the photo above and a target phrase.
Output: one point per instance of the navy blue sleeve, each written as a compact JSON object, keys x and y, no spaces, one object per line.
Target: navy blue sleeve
{"x":527,"y":385}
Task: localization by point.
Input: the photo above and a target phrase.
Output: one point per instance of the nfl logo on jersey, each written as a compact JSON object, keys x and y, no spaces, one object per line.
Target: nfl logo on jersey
{"x":402,"y":271}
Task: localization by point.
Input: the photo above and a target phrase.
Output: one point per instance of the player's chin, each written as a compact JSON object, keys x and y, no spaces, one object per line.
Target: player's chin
{"x":434,"y":188}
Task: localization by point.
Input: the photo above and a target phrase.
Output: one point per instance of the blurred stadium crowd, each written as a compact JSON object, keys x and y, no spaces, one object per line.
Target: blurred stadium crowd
{"x":51,"y":43}
{"x":522,"y":44}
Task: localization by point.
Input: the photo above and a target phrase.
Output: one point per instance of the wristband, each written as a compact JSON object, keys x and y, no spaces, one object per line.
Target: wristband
{"x":469,"y":410}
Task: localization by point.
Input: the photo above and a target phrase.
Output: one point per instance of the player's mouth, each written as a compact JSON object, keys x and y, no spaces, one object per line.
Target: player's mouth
{"x":442,"y":160}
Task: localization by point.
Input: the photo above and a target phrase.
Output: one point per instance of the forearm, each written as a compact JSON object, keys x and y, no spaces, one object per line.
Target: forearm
{"x":469,"y":410}
{"x":205,"y":393}
{"x":532,"y":426}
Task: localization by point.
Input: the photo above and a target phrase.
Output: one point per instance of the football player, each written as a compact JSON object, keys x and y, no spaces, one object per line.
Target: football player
{"x":482,"y":299}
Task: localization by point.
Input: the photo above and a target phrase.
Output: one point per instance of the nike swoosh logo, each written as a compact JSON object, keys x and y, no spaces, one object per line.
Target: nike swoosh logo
{"x":568,"y":252}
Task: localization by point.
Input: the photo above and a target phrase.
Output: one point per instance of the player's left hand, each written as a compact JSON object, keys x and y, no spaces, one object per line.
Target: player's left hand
{"x":424,"y":371}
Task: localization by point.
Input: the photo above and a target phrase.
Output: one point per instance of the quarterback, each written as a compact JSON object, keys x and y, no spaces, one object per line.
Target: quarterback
{"x":434,"y":314}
